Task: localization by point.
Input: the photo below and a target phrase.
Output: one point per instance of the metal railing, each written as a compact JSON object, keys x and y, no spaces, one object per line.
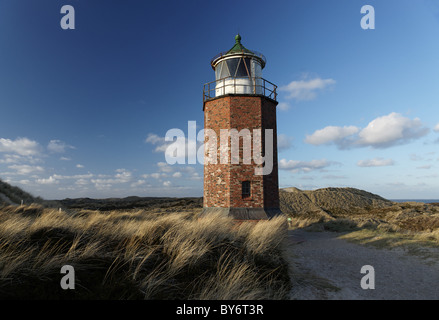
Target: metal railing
{"x":239,"y":85}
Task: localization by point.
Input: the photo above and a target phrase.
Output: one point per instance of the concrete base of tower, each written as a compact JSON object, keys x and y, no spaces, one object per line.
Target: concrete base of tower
{"x":244,"y":213}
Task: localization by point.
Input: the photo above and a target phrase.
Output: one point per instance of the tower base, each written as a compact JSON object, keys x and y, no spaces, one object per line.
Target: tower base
{"x":243,"y":213}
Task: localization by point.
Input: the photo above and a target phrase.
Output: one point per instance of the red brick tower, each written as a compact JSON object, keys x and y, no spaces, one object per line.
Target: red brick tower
{"x":237,"y":105}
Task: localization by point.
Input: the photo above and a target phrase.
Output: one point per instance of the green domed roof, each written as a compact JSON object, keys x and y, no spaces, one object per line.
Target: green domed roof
{"x":236,"y":50}
{"x":238,"y":47}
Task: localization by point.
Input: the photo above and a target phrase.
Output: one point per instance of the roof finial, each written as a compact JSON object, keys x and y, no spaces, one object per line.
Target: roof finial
{"x":238,"y":38}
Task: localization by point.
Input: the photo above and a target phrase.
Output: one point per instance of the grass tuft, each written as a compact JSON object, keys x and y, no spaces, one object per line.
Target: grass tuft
{"x":139,"y":255}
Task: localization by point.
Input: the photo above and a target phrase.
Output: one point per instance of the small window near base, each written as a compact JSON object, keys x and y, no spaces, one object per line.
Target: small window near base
{"x":246,"y":189}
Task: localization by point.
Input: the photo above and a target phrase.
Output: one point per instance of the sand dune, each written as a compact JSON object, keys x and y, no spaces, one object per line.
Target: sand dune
{"x":329,"y":202}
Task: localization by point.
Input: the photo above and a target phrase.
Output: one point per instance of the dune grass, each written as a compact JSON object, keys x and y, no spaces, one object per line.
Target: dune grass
{"x":384,"y":239}
{"x":415,"y":231}
{"x":139,"y":255}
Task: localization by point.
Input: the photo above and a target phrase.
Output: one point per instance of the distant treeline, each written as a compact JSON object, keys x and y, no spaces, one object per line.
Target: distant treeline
{"x":132,"y":203}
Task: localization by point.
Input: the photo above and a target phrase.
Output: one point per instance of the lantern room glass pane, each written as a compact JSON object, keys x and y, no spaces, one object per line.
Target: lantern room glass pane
{"x":243,"y":68}
{"x":218,"y":71}
{"x":232,"y":64}
{"x":256,"y":69}
{"x":224,"y":73}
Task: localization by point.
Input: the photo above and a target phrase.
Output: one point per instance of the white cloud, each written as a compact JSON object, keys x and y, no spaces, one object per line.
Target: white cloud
{"x":79,"y":166}
{"x":76,"y":176}
{"x":167,"y":183}
{"x":49,"y":181}
{"x":26,"y":169}
{"x":57,"y":146}
{"x":306,"y":89}
{"x":382,"y":132}
{"x":390,"y":130}
{"x":436,"y":128}
{"x":332,"y":134}
{"x":121,"y":176}
{"x":167,"y":171}
{"x":177,"y":174}
{"x":154,"y":139}
{"x":164,"y":167}
{"x":102,"y":185}
{"x":376,"y":162}
{"x":82,"y":182}
{"x":304,"y":166}
{"x":21,"y":146}
{"x":157,"y":175}
{"x":138,"y":183}
{"x":11,"y":158}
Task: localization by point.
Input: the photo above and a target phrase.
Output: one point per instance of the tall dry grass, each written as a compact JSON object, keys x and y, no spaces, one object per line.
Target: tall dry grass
{"x":412,"y":226}
{"x":139,"y":255}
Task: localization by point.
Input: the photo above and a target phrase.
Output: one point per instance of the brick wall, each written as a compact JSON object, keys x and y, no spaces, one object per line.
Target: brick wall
{"x":223,"y":182}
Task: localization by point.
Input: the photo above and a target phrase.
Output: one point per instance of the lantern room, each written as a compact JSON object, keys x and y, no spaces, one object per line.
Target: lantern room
{"x":239,"y":71}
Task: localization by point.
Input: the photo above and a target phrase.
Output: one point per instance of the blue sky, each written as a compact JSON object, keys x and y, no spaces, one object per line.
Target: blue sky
{"x":84,"y":112}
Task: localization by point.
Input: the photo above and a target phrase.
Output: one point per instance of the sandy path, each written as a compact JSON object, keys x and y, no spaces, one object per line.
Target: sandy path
{"x":325,"y":267}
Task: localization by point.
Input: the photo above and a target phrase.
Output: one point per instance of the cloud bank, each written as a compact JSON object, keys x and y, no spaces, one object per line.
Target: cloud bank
{"x":382,"y":132}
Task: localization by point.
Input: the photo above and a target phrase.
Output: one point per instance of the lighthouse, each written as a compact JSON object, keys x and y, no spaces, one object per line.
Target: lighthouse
{"x":240,"y":112}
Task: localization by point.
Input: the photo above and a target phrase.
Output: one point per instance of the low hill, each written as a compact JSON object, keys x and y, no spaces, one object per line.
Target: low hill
{"x":322,"y":202}
{"x":14,"y":195}
{"x":329,"y":202}
{"x":150,"y":203}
